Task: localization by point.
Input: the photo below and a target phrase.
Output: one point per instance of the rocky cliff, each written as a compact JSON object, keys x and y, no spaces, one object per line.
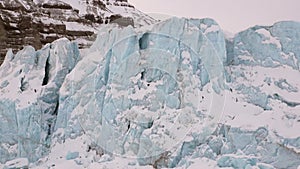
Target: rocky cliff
{"x":38,"y":22}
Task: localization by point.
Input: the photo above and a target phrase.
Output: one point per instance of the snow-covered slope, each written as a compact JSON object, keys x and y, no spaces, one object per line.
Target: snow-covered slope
{"x":176,"y":94}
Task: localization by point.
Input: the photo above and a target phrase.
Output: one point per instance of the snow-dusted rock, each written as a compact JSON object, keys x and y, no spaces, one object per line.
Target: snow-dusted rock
{"x":38,"y":22}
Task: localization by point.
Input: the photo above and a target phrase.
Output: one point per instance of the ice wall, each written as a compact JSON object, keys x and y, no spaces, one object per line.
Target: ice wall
{"x":30,"y":83}
{"x":136,"y":86}
{"x":158,"y":94}
{"x":269,"y":46}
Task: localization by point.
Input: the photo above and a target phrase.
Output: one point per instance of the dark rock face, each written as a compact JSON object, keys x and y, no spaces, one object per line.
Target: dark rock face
{"x":2,"y":39}
{"x":38,"y":22}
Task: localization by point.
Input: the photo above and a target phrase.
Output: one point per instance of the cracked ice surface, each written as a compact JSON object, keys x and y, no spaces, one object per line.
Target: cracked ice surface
{"x":175,"y":94}
{"x":153,"y":106}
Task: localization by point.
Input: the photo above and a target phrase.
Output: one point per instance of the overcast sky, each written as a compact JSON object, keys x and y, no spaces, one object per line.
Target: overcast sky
{"x":232,"y":15}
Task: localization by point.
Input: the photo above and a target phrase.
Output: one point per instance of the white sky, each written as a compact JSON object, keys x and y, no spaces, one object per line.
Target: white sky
{"x":232,"y":15}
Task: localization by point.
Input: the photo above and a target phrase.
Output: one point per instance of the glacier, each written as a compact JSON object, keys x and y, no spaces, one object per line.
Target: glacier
{"x":31,"y":80}
{"x":132,"y":107}
{"x":268,"y":46}
{"x":174,"y":94}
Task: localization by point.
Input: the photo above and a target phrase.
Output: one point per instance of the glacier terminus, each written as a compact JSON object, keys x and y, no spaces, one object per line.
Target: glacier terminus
{"x":175,"y":94}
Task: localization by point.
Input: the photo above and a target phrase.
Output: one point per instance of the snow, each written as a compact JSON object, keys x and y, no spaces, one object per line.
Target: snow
{"x":77,"y":4}
{"x":49,"y":21}
{"x":111,"y":8}
{"x":17,"y":163}
{"x":228,"y":35}
{"x":205,"y":163}
{"x":26,"y":6}
{"x":13,"y":25}
{"x":269,"y":39}
{"x":74,"y":26}
{"x":212,"y":28}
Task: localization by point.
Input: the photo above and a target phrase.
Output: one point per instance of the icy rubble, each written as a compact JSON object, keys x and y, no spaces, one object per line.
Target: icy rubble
{"x":154,"y":97}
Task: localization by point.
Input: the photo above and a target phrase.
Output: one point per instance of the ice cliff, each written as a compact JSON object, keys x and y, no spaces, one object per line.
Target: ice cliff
{"x":268,"y":46}
{"x":174,"y":94}
{"x":30,"y":83}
